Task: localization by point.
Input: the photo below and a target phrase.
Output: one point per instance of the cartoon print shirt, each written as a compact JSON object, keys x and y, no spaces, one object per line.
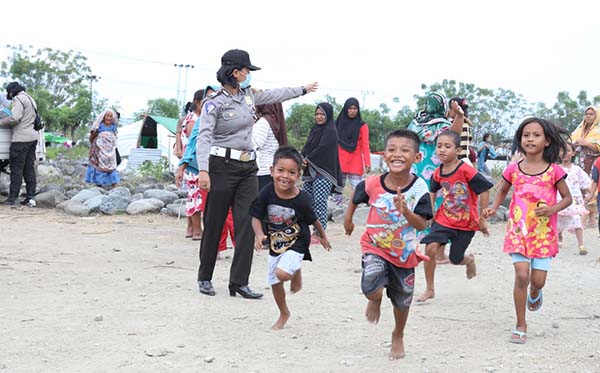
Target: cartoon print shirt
{"x":526,"y":233}
{"x":388,"y":234}
{"x":286,"y":220}
{"x":577,"y":180}
{"x":459,"y":190}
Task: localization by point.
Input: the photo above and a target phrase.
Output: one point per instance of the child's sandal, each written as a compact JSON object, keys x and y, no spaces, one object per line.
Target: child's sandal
{"x":518,"y":337}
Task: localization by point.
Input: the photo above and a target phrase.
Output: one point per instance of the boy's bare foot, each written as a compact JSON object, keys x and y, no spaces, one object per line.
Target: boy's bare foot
{"x":442,"y":259}
{"x":280,"y":323}
{"x":471,"y":267}
{"x":397,"y":350}
{"x":296,"y":282}
{"x":373,"y":311}
{"x":428,"y":294}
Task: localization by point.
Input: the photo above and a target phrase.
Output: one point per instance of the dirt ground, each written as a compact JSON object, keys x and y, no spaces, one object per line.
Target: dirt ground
{"x":106,"y":294}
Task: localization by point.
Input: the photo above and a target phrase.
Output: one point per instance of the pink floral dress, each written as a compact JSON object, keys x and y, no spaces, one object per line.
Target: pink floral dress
{"x":196,"y":197}
{"x":526,"y":233}
{"x":570,"y":218}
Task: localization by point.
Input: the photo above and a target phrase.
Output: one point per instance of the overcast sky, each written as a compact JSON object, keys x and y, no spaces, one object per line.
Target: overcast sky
{"x":385,"y":48}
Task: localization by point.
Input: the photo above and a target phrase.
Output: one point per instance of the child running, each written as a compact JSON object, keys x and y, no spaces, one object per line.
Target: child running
{"x":287,"y":212}
{"x":531,"y":234}
{"x":570,"y":218}
{"x":400,"y":205}
{"x":457,"y":219}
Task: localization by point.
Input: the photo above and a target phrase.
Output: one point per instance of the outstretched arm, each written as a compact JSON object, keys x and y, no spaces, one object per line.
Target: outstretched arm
{"x":259,"y":234}
{"x":503,"y":189}
{"x":348,"y":224}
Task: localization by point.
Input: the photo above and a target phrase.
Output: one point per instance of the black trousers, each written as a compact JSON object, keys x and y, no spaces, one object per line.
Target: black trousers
{"x":232,"y":183}
{"x":263,"y":181}
{"x":22,"y":165}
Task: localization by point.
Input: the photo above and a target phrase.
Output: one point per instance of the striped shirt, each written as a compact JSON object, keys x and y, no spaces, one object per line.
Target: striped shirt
{"x":465,"y":140}
{"x":265,"y":145}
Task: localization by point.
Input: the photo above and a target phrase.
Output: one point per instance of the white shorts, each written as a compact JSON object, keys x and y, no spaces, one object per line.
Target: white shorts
{"x":289,"y":262}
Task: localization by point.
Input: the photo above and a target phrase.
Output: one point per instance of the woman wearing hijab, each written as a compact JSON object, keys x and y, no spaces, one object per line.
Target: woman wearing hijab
{"x":353,"y":143}
{"x":102,"y":168}
{"x":322,"y":173}
{"x":268,"y":134}
{"x":586,"y":139}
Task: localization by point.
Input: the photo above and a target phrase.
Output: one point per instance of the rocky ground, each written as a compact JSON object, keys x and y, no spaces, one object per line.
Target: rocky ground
{"x":118,"y":293}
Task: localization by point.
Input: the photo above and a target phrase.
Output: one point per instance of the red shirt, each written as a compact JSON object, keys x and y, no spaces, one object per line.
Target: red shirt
{"x":355,"y":162}
{"x":459,"y":190}
{"x":596,"y":173}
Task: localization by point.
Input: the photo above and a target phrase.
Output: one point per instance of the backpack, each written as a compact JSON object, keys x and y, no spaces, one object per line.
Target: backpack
{"x":38,"y":124}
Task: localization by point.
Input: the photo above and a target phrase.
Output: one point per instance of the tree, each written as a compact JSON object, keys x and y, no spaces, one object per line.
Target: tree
{"x":164,"y":107}
{"x":299,"y":121}
{"x":56,"y":80}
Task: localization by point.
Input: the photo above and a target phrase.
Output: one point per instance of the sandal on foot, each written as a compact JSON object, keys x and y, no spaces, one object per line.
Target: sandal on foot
{"x":582,"y":250}
{"x":518,"y":337}
{"x":535,"y":304}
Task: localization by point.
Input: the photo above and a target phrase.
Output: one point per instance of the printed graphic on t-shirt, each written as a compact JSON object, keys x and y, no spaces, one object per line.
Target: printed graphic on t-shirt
{"x":456,"y":201}
{"x":394,"y":233}
{"x":283,"y":228}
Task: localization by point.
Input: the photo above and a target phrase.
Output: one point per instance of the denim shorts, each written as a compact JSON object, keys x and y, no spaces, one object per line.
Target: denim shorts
{"x":541,"y":264}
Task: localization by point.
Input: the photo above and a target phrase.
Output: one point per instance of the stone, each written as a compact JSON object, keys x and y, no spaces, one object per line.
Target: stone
{"x":98,"y":318}
{"x":174,"y":210}
{"x":120,"y":192}
{"x":76,"y":208}
{"x":164,"y":195}
{"x":145,"y":206}
{"x":94,"y":203}
{"x":49,"y":187}
{"x":209,"y":359}
{"x":157,"y":352}
{"x":50,"y":199}
{"x":137,"y":196}
{"x":114,"y":205}
{"x":46,"y":171}
{"x":86,"y":194}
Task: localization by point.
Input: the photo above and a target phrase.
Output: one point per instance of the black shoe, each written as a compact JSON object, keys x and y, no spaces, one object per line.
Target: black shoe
{"x":244,"y":291}
{"x":28,"y":202}
{"x":10,"y":202}
{"x":206,"y":288}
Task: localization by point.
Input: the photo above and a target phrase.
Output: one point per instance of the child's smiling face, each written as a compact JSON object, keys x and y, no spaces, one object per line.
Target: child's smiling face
{"x":400,"y":154}
{"x":285,"y":173}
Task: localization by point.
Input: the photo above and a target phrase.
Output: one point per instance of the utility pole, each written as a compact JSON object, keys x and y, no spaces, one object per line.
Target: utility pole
{"x":364,"y":96}
{"x":92,"y":79}
{"x":181,"y":95}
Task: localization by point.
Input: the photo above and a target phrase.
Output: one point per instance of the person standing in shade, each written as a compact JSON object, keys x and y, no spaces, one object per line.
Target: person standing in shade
{"x":353,"y":143}
{"x":485,"y":150}
{"x":22,"y":145}
{"x":322,"y":173}
{"x":227,"y":166}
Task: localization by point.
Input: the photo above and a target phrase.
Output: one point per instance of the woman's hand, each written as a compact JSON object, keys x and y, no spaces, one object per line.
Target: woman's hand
{"x":179,"y":176}
{"x":304,"y":163}
{"x":204,"y":181}
{"x":311,"y":87}
{"x":458,"y":111}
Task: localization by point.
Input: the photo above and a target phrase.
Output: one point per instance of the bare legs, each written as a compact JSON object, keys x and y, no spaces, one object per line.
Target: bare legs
{"x":279,"y":295}
{"x":523,"y":277}
{"x":433,"y":250}
{"x":373,"y":312}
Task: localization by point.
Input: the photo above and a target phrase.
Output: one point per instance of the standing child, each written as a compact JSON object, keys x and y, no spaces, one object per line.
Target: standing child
{"x":531,"y":234}
{"x":457,"y":219}
{"x":570,"y":218}
{"x":400,"y":205}
{"x":287,"y":212}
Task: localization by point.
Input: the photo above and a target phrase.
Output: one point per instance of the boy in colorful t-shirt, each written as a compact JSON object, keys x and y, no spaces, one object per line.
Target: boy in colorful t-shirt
{"x":456,"y":220}
{"x":400,"y":205}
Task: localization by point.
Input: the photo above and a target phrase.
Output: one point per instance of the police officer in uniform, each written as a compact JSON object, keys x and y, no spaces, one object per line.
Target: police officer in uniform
{"x":227,"y":166}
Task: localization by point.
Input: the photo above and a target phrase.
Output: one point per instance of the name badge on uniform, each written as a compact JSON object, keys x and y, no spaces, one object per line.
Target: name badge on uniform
{"x":248,"y":100}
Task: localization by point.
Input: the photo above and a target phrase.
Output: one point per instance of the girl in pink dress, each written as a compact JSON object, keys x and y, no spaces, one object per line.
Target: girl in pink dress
{"x":570,"y":218}
{"x":531,"y":232}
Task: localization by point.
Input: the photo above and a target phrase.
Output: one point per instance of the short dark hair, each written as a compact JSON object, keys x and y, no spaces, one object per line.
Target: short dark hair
{"x":224,"y":75}
{"x":288,"y":152}
{"x":486,"y":136}
{"x":405,"y":133}
{"x":455,"y":137}
{"x":554,"y":134}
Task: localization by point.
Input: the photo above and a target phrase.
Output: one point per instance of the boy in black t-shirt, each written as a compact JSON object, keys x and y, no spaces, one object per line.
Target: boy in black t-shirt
{"x":287,"y":212}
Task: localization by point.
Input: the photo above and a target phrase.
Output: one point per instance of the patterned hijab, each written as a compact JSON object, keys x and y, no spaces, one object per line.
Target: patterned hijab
{"x":349,"y":129}
{"x":590,"y":133}
{"x":100,"y":118}
{"x":435,"y":108}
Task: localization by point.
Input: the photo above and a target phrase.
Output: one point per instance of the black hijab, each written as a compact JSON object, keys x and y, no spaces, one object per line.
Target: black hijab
{"x":349,"y":129}
{"x":321,"y":150}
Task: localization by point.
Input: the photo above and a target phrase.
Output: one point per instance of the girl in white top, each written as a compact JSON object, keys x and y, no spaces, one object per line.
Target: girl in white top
{"x":268,"y":133}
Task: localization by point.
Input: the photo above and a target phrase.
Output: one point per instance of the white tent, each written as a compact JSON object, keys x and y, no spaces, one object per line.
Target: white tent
{"x":151,"y":133}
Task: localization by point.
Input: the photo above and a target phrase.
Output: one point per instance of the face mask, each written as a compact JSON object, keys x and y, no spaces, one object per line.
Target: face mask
{"x":246,"y":82}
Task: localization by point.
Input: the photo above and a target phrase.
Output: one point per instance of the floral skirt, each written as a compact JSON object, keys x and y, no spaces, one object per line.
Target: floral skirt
{"x":196,"y":197}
